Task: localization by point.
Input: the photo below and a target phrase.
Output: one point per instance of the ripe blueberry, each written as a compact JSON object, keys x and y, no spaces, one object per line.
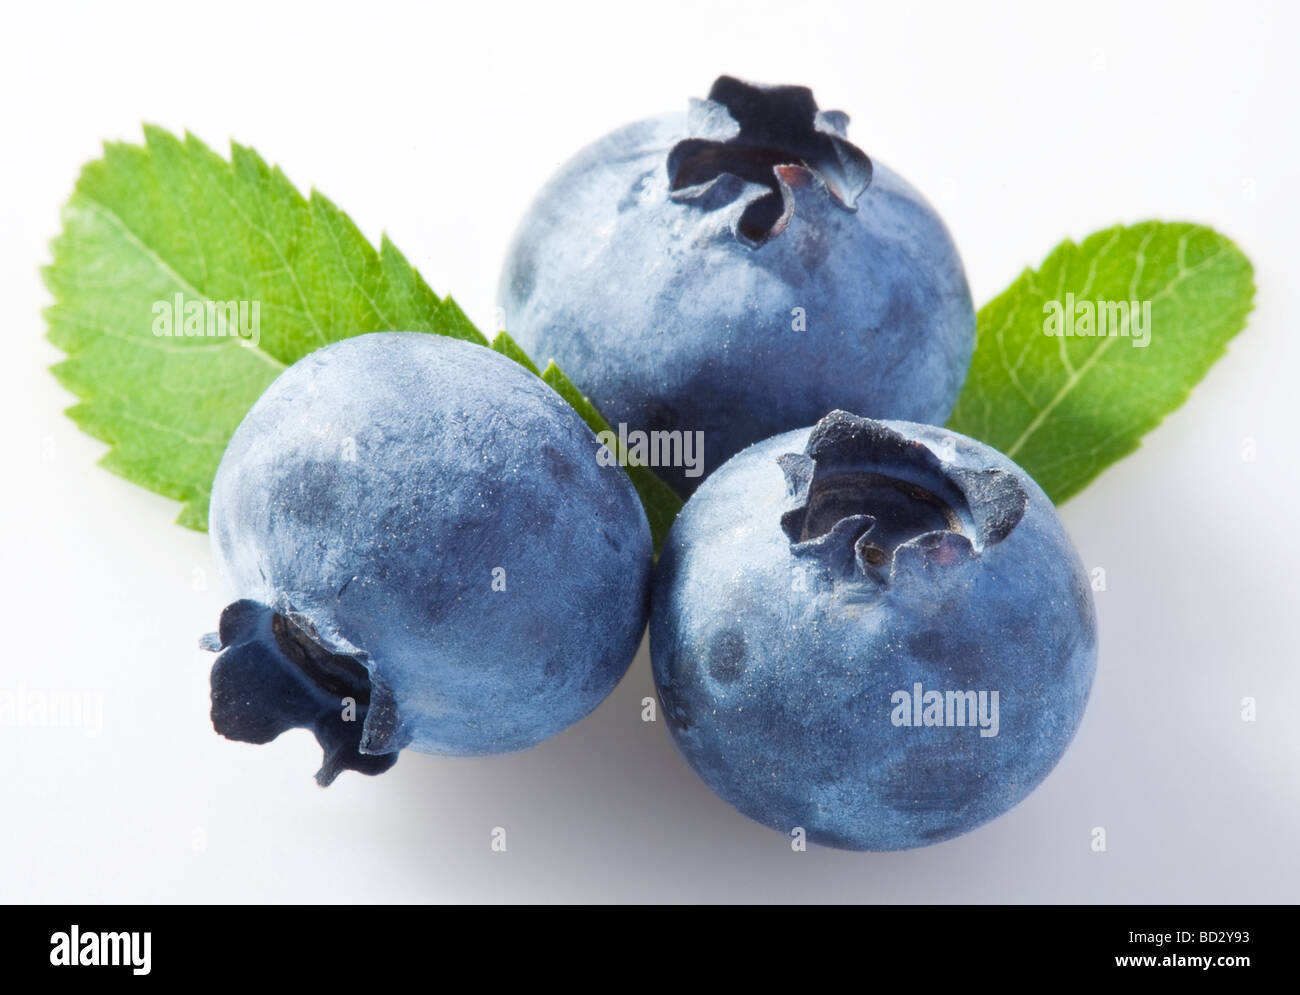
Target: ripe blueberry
{"x":876,"y":631}
{"x":426,"y":554}
{"x":740,"y":271}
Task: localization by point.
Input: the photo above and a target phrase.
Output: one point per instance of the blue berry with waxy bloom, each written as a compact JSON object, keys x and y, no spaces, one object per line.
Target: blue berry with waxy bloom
{"x":426,"y":553}
{"x":739,"y":271}
{"x":876,"y":631}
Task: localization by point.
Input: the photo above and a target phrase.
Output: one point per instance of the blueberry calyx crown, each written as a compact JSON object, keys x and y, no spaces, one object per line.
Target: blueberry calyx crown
{"x":773,"y":136}
{"x":274,"y":674}
{"x":874,"y":506}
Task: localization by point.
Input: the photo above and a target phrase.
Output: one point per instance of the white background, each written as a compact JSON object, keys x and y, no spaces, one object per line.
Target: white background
{"x":1023,"y":124}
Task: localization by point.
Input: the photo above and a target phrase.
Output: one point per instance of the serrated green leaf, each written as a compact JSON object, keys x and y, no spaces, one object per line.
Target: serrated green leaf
{"x":507,"y":346}
{"x":147,"y":223}
{"x":1066,"y":407}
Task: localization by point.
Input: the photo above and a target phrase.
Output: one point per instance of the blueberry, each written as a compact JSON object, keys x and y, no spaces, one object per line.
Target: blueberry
{"x":426,"y":553}
{"x":740,"y":271}
{"x":876,"y":631}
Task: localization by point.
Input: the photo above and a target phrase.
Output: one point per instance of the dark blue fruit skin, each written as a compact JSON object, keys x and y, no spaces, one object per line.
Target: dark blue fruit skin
{"x":463,"y":462}
{"x":780,"y":699}
{"x":667,"y":316}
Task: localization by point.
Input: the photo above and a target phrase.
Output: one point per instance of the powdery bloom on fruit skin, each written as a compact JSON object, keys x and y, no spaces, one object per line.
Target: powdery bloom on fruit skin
{"x":669,"y":317}
{"x":420,"y":526}
{"x":815,"y":644}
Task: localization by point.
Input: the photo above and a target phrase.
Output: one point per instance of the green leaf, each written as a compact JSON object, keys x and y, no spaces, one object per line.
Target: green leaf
{"x":1066,"y":407}
{"x":171,"y":217}
{"x":146,"y":223}
{"x":507,"y":346}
